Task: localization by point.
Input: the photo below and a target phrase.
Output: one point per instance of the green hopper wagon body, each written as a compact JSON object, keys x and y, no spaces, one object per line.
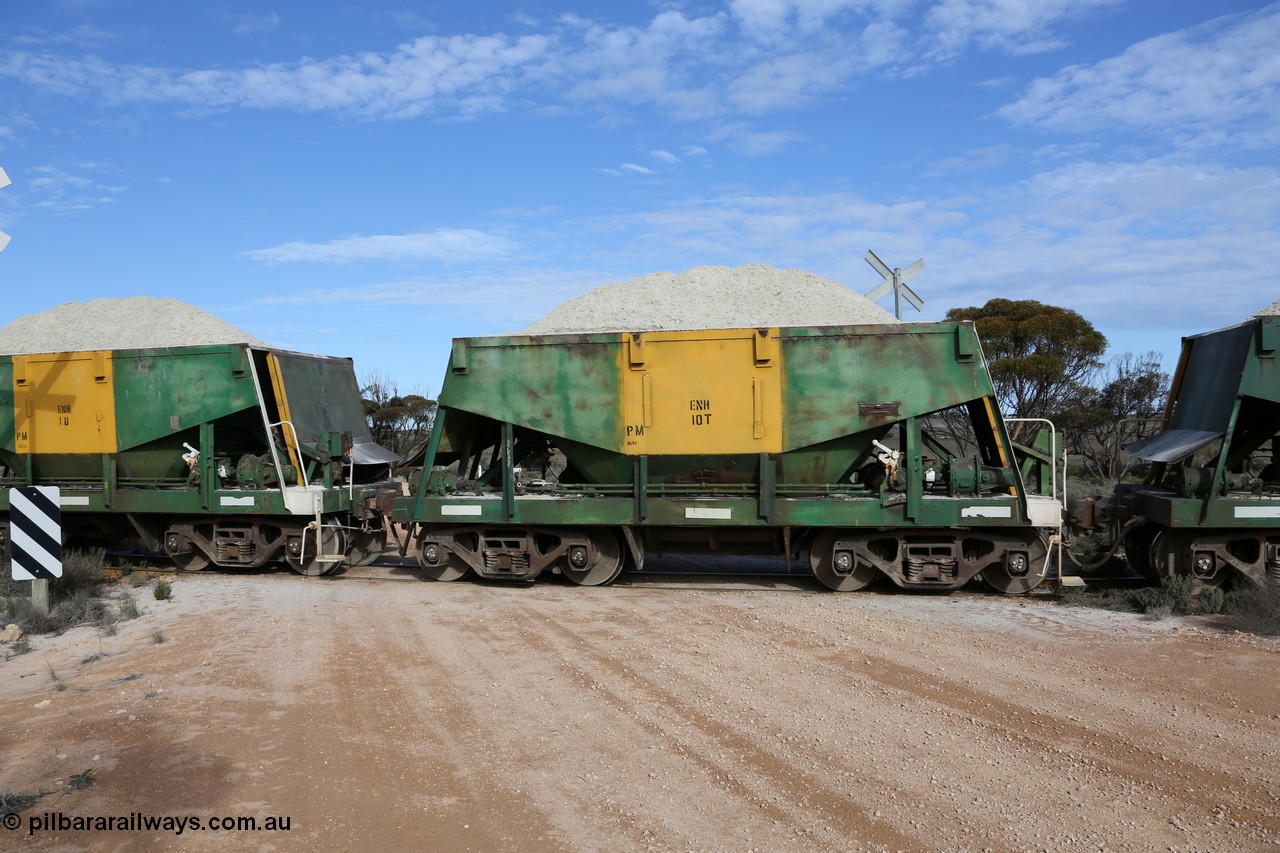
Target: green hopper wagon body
{"x":224,"y":454}
{"x":1211,"y":507}
{"x":580,"y":453}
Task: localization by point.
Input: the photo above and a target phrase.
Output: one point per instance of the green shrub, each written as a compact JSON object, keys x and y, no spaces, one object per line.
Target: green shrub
{"x":73,"y":598}
{"x":55,"y":678}
{"x":1102,"y":599}
{"x":1173,"y":595}
{"x":1211,"y":600}
{"x":81,"y":570}
{"x":162,"y":590}
{"x":1158,"y":612}
{"x":80,"y":781}
{"x":10,"y":588}
{"x":11,"y":803}
{"x":1088,"y":551}
{"x":128,"y":608}
{"x":1255,"y":610}
{"x":80,"y":607}
{"x":32,"y":621}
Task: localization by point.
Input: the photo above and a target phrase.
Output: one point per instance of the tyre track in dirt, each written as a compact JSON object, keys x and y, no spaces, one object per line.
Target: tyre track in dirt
{"x":589,"y":742}
{"x":798,"y":797}
{"x":884,"y":740}
{"x":1150,"y":775}
{"x":651,"y":717}
{"x":1108,"y":773}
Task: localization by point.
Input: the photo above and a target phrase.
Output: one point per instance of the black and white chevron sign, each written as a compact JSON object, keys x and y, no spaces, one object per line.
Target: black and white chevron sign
{"x":35,"y":533}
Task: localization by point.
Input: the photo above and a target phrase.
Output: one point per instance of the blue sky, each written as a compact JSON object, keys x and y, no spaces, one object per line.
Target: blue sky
{"x":373,"y":180}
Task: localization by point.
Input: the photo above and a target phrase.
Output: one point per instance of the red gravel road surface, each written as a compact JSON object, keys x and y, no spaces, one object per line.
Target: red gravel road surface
{"x":656,"y":714}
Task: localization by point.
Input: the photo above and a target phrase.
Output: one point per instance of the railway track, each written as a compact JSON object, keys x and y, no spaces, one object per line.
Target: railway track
{"x":675,"y":572}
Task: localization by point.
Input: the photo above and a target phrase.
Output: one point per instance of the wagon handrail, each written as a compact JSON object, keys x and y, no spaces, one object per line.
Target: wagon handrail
{"x":1053,"y":482}
{"x":297,"y":448}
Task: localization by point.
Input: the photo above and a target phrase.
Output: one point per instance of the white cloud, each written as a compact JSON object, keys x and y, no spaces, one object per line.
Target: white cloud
{"x":772,"y":19}
{"x":1009,"y":26}
{"x":1168,"y":246}
{"x":625,"y":169}
{"x":81,"y":35}
{"x":665,"y":63}
{"x":68,"y":188}
{"x":252,"y":24}
{"x":752,"y":57}
{"x":977,"y":159}
{"x":763,"y":17}
{"x":786,"y":81}
{"x":1219,"y":82}
{"x":743,"y":137}
{"x":1160,"y":244}
{"x":464,"y":74}
{"x":658,"y":154}
{"x":479,"y":303}
{"x":446,"y":245}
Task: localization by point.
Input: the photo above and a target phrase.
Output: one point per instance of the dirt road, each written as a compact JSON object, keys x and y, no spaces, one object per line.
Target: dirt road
{"x":658,"y":714}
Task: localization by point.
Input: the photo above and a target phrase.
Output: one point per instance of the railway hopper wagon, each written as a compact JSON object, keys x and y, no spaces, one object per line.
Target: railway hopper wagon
{"x":578,"y":454}
{"x":229,"y":455}
{"x":1211,"y":505}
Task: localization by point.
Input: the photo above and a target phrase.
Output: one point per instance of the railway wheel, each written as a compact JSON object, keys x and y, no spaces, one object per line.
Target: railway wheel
{"x":578,"y":568}
{"x":438,"y":562}
{"x":190,"y":561}
{"x":1022,"y":569}
{"x":1160,"y":551}
{"x":838,"y":570}
{"x":365,"y":546}
{"x":1171,"y":554}
{"x":318,"y":557}
{"x":1137,"y":550}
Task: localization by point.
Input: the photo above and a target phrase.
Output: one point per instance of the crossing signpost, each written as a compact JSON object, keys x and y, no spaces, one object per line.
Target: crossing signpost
{"x":35,"y":539}
{"x":896,"y":280}
{"x":4,"y":182}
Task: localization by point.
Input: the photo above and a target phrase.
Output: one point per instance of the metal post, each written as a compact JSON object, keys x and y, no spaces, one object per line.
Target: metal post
{"x":40,"y":595}
{"x":768,"y":487}
{"x":640,"y":487}
{"x":505,"y":449}
{"x":429,"y":461}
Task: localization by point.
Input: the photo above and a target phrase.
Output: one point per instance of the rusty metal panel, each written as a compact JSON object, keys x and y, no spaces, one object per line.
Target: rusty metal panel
{"x":1262,"y":377}
{"x":6,"y":403}
{"x":161,"y":392}
{"x":563,"y":385}
{"x":836,"y":376}
{"x":878,"y":410}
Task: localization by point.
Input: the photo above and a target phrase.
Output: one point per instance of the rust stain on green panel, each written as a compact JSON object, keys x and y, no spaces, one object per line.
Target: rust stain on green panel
{"x":6,"y":403}
{"x":842,"y":380}
{"x":565,"y":385}
{"x":162,"y":391}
